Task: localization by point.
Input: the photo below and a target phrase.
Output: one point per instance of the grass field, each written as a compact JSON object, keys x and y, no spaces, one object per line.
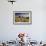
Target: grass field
{"x":22,"y":19}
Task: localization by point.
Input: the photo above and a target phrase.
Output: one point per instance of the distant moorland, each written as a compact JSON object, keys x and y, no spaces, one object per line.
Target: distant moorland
{"x":21,"y":19}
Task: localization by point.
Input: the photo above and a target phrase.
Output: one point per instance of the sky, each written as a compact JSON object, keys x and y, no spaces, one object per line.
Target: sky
{"x":22,"y":14}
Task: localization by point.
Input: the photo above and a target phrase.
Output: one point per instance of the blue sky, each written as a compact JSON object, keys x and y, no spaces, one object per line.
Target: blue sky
{"x":22,"y":14}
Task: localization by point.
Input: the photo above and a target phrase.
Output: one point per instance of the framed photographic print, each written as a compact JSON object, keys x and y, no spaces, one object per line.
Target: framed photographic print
{"x":22,"y":17}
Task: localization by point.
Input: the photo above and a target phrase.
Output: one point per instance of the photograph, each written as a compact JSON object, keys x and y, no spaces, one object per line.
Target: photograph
{"x":22,"y":17}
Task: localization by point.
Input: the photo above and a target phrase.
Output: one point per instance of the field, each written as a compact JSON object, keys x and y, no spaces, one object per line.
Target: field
{"x":21,"y":19}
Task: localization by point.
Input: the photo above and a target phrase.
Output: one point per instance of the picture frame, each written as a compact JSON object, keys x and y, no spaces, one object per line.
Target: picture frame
{"x":22,"y":17}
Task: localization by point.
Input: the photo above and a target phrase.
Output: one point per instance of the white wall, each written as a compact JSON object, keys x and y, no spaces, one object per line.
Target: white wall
{"x":9,"y":31}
